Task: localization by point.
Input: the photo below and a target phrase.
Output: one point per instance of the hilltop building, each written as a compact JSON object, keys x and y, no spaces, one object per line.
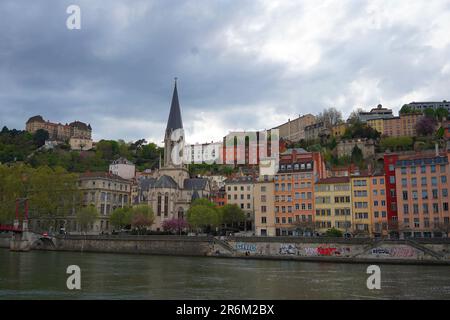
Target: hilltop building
{"x":58,"y":131}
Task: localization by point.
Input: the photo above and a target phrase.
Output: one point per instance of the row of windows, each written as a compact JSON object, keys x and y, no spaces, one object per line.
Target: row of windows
{"x":242,"y":197}
{"x":426,"y":222}
{"x":296,"y":166}
{"x":304,"y":218}
{"x":109,"y":185}
{"x":423,"y":169}
{"x":423,"y":181}
{"x":425,"y":208}
{"x":288,"y":177}
{"x":297,"y":207}
{"x":288,"y":187}
{"x":235,"y":188}
{"x":434,"y":194}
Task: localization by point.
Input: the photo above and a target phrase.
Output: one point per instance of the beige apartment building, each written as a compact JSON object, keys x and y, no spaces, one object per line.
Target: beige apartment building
{"x":263,"y":193}
{"x":239,"y":191}
{"x":106,"y":192}
{"x":294,"y":130}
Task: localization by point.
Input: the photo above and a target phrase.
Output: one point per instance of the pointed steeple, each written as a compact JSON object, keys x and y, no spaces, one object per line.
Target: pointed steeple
{"x":174,"y":121}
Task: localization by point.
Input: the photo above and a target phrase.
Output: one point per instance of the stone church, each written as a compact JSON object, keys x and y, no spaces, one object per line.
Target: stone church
{"x":170,"y":190}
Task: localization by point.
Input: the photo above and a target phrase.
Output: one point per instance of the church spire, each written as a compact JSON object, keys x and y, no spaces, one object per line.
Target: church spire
{"x":173,"y":124}
{"x":174,"y":121}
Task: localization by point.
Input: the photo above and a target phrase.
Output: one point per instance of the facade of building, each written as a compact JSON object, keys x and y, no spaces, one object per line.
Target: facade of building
{"x":377,"y":124}
{"x":170,"y":190}
{"x":345,"y":147}
{"x":82,"y":144}
{"x":123,"y":168}
{"x":315,"y":131}
{"x":391,"y":193}
{"x":294,"y":190}
{"x":338,"y":130}
{"x":422,"y":195}
{"x":58,"y":131}
{"x":204,"y":153}
{"x":378,"y":205}
{"x":106,"y":192}
{"x":333,"y":205}
{"x":294,"y":130}
{"x":376,"y":113}
{"x":239,"y":191}
{"x":402,"y":126}
{"x":263,"y":193}
{"x":422,"y":106}
{"x":361,"y":203}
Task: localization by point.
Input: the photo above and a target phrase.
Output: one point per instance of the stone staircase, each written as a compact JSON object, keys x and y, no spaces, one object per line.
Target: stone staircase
{"x":423,"y":248}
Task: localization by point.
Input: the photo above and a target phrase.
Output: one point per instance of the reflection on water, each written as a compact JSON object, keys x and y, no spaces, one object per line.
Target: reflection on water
{"x":42,"y":275}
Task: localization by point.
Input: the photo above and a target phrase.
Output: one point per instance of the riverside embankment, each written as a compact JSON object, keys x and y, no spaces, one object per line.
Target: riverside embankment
{"x":417,"y":251}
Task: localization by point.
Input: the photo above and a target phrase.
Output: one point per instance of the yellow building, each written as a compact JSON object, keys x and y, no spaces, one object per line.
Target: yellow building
{"x":361,"y":203}
{"x":333,"y":204}
{"x":339,"y":130}
{"x":263,"y":193}
{"x":377,"y":124}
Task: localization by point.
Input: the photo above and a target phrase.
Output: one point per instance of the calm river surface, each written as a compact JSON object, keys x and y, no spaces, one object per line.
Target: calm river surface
{"x":42,"y":275}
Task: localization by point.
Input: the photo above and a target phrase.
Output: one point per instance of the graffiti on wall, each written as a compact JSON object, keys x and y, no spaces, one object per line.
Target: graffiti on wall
{"x":327,"y":251}
{"x":245,"y":247}
{"x":287,"y":248}
{"x":400,"y":252}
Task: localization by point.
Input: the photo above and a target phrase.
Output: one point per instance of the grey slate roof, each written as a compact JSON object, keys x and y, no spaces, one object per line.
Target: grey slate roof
{"x":146,"y":184}
{"x":195,"y":184}
{"x":195,"y":196}
{"x":165,"y":182}
{"x":174,"y":121}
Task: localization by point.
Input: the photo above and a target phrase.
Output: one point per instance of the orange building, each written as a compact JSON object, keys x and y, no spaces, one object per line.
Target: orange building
{"x":422,"y":195}
{"x":404,"y":125}
{"x":378,"y":205}
{"x":294,"y":190}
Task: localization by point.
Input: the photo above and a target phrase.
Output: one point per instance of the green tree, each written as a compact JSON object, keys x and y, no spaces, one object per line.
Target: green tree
{"x":121,"y":217}
{"x":429,"y":113}
{"x":333,"y":232}
{"x":357,"y":155}
{"x":86,"y":216}
{"x":231,"y":214}
{"x":40,"y":136}
{"x":406,"y":109}
{"x":203,"y":215}
{"x":441,"y":114}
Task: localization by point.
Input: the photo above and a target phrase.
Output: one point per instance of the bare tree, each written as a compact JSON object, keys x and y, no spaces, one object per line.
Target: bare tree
{"x":304,"y":226}
{"x":330,"y":117}
{"x":442,"y":227}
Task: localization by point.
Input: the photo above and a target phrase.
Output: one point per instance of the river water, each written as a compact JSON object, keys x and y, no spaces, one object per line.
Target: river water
{"x":42,"y":275}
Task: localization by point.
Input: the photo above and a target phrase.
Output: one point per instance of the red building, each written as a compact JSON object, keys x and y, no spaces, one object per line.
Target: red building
{"x":391,"y":194}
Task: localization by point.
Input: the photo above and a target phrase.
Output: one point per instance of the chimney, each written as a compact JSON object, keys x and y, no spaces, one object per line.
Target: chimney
{"x":436,"y":147}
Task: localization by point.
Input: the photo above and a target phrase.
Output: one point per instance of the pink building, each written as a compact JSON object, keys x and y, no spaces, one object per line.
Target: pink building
{"x":422,"y":184}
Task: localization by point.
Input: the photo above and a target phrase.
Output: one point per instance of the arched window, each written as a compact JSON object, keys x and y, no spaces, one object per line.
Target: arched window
{"x":166,"y":205}
{"x":180,"y":213}
{"x":159,"y":204}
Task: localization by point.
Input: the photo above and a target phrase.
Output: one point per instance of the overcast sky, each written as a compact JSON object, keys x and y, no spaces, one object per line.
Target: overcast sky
{"x":240,"y":64}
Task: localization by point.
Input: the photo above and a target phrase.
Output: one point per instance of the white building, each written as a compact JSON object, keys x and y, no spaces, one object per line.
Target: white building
{"x":203,"y":153}
{"x":123,"y":168}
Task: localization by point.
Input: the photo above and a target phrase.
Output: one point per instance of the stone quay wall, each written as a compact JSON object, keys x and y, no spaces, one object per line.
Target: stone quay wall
{"x":417,"y":251}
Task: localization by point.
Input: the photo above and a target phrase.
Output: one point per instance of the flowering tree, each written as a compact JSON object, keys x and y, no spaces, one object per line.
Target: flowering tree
{"x":175,"y":225}
{"x":142,"y":217}
{"x":426,"y":126}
